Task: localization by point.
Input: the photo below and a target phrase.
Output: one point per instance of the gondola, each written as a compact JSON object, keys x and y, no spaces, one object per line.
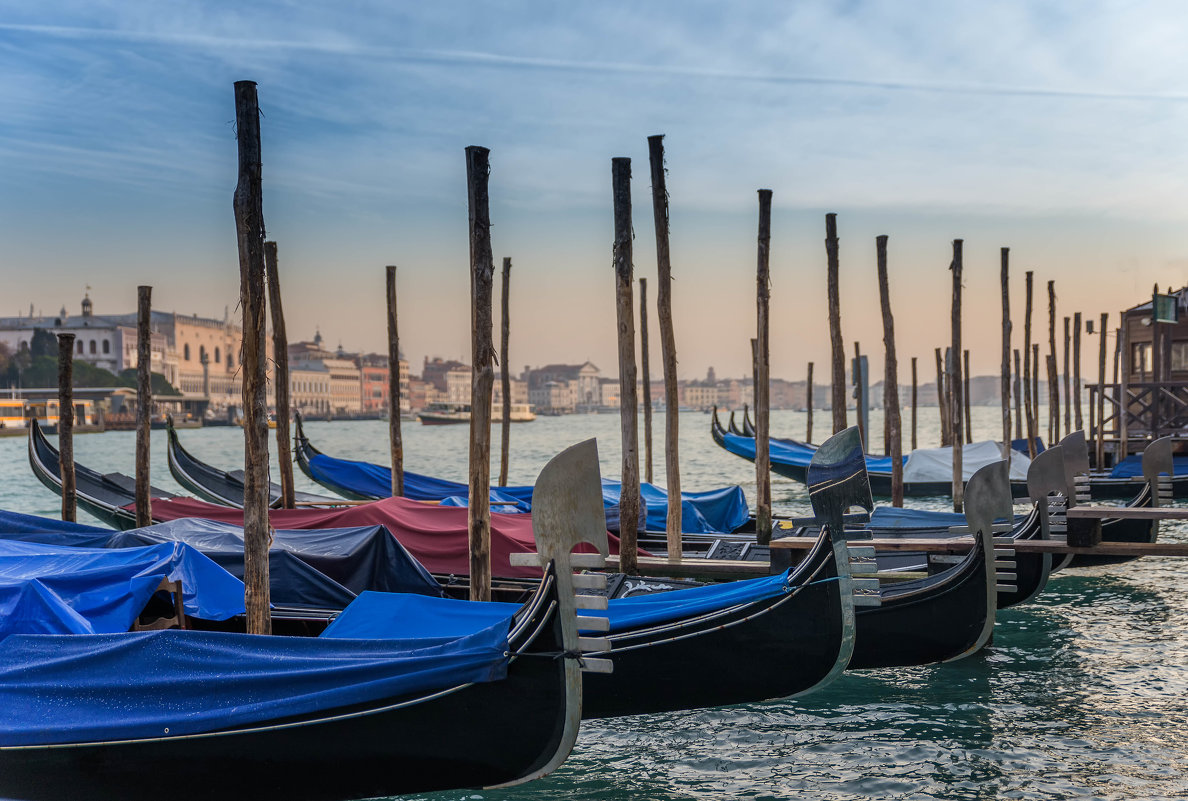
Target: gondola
{"x":198,"y":714}
{"x":221,"y":486}
{"x":722,"y":510}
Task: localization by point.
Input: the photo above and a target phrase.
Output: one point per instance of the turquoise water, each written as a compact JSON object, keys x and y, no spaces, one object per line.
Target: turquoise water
{"x":1082,"y":694}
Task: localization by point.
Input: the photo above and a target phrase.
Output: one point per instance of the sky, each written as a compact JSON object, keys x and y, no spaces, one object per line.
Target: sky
{"x":1056,"y":129}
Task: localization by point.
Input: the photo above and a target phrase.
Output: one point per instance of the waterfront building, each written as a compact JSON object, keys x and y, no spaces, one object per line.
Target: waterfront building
{"x":582,"y":380}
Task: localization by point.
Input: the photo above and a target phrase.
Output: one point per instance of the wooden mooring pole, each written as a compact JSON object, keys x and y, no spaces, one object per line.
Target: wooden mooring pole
{"x":249,"y":227}
{"x":942,"y":399}
{"x":1067,"y":379}
{"x":672,"y":462}
{"x":891,"y":378}
{"x":1029,"y":404}
{"x":646,"y":377}
{"x":1004,"y":387}
{"x":482,"y":373}
{"x":762,"y":382}
{"x":66,"y":426}
{"x":808,"y":404}
{"x":861,"y":412}
{"x":955,"y":393}
{"x":914,"y":399}
{"x":838,"y":396}
{"x":1035,"y":349}
{"x":625,"y":318}
{"x":144,"y":402}
{"x":1078,"y":423}
{"x":505,"y":370}
{"x":1101,"y":380}
{"x":1053,"y":374}
{"x":280,"y":377}
{"x":395,"y":436}
{"x":965,"y":395}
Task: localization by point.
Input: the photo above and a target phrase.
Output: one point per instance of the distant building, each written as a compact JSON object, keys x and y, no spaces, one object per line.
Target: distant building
{"x":582,"y":379}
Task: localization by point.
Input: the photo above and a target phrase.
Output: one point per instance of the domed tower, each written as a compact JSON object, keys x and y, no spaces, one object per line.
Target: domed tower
{"x":87,"y":306}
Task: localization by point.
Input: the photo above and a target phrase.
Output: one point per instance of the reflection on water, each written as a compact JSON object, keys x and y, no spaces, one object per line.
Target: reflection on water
{"x":1081,"y":694}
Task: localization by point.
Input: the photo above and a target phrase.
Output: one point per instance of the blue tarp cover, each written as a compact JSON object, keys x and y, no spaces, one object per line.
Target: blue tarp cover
{"x":376,"y":614}
{"x":793,"y":453}
{"x":715,"y":511}
{"x":46,"y":589}
{"x":1132,"y":467}
{"x":890,"y":517}
{"x":57,"y":689}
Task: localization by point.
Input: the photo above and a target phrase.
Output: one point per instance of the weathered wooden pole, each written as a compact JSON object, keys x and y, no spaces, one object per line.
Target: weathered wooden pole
{"x":1101,"y":376}
{"x":144,"y":402}
{"x":395,"y":437}
{"x":505,"y":371}
{"x":66,"y":426}
{"x":1068,"y":388}
{"x":955,"y":408}
{"x":891,"y":377}
{"x":1004,"y":387}
{"x":1053,"y":376}
{"x":672,"y":462}
{"x":1029,"y":404}
{"x":280,"y":377}
{"x":914,"y":399}
{"x":1035,"y":386}
{"x":942,"y":399}
{"x":1077,"y":420}
{"x":1018,"y":397}
{"x":762,"y":381}
{"x":482,"y":373}
{"x":835,"y":337}
{"x":625,"y":318}
{"x":808,"y":403}
{"x":965,"y":396}
{"x":249,"y":227}
{"x":646,"y":378}
{"x":1122,"y":394}
{"x":860,"y":410}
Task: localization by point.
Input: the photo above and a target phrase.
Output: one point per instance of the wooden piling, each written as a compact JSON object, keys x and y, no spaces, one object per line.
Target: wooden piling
{"x":1004,"y":386}
{"x":835,"y":338}
{"x":1035,"y":387}
{"x":965,"y":395}
{"x":1078,"y":391}
{"x":624,"y":316}
{"x":1123,"y":382}
{"x":1101,"y":381}
{"x":914,"y":399}
{"x":762,"y":382}
{"x":280,"y":377}
{"x":1053,"y":376}
{"x":1029,"y":403}
{"x":955,"y":408}
{"x":891,"y":378}
{"x":808,"y":403}
{"x":646,"y":377}
{"x":482,"y":374}
{"x":942,"y":399}
{"x":1018,"y":398}
{"x":249,"y":227}
{"x":66,"y":426}
{"x":672,"y":463}
{"x":505,"y":370}
{"x":860,"y":410}
{"x":1067,"y":386}
{"x":144,"y":402}
{"x":395,"y":436}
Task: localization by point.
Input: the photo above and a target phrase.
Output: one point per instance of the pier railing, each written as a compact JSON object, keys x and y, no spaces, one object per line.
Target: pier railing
{"x":1150,"y":410}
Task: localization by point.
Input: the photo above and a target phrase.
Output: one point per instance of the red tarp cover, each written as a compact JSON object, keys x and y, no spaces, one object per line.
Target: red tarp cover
{"x":435,"y":535}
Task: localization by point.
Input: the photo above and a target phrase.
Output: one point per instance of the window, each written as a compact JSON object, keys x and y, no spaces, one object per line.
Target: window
{"x":201,"y":353}
{"x":1179,"y":356}
{"x":80,"y":346}
{"x":1140,"y":358}
{"x":106,"y":347}
{"x":216,"y":354}
{"x":186,"y":351}
{"x":93,"y":347}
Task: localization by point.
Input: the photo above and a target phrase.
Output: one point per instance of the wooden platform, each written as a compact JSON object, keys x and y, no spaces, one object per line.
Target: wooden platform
{"x":963,"y":544}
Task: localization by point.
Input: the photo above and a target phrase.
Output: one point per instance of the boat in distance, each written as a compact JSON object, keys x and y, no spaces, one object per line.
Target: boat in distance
{"x":442,"y":413}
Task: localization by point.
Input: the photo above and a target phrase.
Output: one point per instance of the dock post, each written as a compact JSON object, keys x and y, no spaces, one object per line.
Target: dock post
{"x":395,"y":436}
{"x":942,"y":399}
{"x":629,"y":499}
{"x":672,"y":462}
{"x":965,"y":395}
{"x":861,"y":383}
{"x":1029,"y":404}
{"x":249,"y":227}
{"x":1053,"y":375}
{"x":646,"y":378}
{"x":280,"y":360}
{"x":1067,"y":386}
{"x":835,"y":336}
{"x":955,"y":408}
{"x":808,"y":404}
{"x":482,"y":278}
{"x":762,"y":381}
{"x":1004,"y":387}
{"x":894,"y":424}
{"x":1035,"y":349}
{"x":1079,"y":390}
{"x":144,"y":403}
{"x":66,"y":426}
{"x":505,"y":370}
{"x":1101,"y":372}
{"x":1018,"y":383}
{"x":914,"y":399}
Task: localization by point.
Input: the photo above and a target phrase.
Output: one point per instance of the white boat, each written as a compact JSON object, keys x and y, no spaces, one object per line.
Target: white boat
{"x":441,"y":413}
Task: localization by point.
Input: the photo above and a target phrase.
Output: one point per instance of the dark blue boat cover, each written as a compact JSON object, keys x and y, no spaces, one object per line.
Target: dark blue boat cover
{"x":795,"y":454}
{"x":380,"y":615}
{"x":890,"y":517}
{"x":323,"y":568}
{"x":48,"y":589}
{"x":61,"y":689}
{"x":1132,"y":467}
{"x":716,"y":511}
{"x":1020,"y":445}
